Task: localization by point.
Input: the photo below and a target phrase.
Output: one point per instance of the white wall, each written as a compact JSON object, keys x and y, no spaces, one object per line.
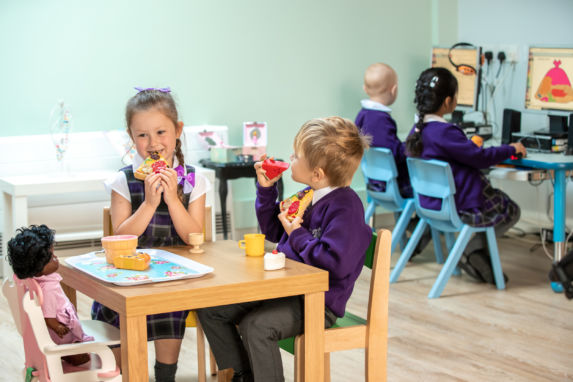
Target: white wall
{"x":518,"y":24}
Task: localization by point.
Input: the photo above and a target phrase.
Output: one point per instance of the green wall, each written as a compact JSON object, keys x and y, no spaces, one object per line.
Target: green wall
{"x":227,"y":61}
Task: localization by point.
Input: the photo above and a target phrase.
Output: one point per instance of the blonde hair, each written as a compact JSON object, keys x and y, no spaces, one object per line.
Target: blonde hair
{"x":334,"y":144}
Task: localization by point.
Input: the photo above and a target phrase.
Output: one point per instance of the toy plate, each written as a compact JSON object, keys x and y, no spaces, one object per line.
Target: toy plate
{"x":164,"y":266}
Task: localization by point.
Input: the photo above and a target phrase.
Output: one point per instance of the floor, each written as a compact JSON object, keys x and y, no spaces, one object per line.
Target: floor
{"x":472,"y":333}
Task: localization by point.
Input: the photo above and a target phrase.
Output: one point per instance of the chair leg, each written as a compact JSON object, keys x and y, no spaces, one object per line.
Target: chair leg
{"x":495,"y":261}
{"x":450,"y":241}
{"x":212,"y":362}
{"x":369,"y":212}
{"x":407,"y":253}
{"x":451,"y":263}
{"x":437,"y":246}
{"x":326,"y":367}
{"x":201,"y":370}
{"x":299,"y":359}
{"x":398,"y":233}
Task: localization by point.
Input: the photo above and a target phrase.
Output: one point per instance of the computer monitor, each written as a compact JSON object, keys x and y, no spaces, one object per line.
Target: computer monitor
{"x":463,"y":57}
{"x":549,"y":76}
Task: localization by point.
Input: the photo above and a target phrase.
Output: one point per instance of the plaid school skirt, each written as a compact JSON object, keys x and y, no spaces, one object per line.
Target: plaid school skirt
{"x":498,"y":208}
{"x":159,"y":326}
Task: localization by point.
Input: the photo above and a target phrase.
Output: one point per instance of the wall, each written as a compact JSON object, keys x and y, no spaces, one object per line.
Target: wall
{"x":517,"y":24}
{"x":226,"y":61}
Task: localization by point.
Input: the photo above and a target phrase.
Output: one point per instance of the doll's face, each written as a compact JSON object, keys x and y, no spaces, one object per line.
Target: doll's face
{"x":52,"y":265}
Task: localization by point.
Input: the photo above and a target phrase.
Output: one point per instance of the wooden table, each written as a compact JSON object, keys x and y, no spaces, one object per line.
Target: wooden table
{"x":236,"y":278}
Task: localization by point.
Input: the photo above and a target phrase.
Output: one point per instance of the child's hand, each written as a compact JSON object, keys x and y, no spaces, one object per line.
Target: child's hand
{"x":59,"y":328}
{"x":288,"y":225}
{"x":153,"y":189}
{"x":261,"y":177}
{"x":519,"y":149}
{"x":169,"y":183}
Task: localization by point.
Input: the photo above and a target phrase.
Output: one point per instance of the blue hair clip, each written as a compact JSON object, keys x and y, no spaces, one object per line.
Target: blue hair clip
{"x":162,"y":90}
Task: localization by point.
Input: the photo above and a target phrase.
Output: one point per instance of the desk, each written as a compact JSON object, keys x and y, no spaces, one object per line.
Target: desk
{"x":559,"y":164}
{"x":17,"y":189}
{"x":232,"y":170}
{"x":236,"y":278}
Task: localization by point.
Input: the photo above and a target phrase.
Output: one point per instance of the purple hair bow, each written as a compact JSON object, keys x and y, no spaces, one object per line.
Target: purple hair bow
{"x":187,"y":181}
{"x":162,"y":90}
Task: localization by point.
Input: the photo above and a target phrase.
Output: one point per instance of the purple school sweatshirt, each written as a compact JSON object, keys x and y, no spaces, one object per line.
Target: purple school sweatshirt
{"x":333,"y":237}
{"x":447,"y":142}
{"x":382,"y":128}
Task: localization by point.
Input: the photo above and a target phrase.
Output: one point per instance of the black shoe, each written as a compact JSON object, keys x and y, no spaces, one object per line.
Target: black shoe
{"x":480,"y":263}
{"x":243,"y":376}
{"x":467,"y":267}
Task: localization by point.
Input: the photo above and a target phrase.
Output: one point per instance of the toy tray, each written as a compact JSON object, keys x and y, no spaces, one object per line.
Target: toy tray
{"x":164,"y":266}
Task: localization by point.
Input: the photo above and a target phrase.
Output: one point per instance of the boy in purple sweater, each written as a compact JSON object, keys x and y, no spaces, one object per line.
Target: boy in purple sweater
{"x":331,"y":235}
{"x":477,"y":202}
{"x":381,"y":85}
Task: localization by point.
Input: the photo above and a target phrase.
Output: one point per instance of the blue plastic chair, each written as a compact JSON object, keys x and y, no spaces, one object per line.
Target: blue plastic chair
{"x":434,"y":178}
{"x":378,"y":164}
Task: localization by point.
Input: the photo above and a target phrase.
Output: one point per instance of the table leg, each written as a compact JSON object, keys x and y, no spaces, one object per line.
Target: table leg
{"x":314,"y":336}
{"x":223,"y":199}
{"x":15,"y":216}
{"x":559,"y":205}
{"x":133,"y":332}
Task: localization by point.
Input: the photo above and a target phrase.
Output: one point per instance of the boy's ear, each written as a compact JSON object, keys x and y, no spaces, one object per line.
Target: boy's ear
{"x":318,"y":174}
{"x":394,"y":91}
{"x":179,"y":129}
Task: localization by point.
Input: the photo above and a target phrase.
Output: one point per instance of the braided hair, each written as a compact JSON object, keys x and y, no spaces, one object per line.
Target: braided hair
{"x":432,"y":88}
{"x":164,"y":102}
{"x":30,"y":250}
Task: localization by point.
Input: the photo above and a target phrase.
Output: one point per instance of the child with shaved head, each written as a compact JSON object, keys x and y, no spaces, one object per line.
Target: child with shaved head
{"x":381,"y":86}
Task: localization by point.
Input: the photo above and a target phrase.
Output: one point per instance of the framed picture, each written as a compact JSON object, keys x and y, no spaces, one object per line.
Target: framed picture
{"x":254,"y":133}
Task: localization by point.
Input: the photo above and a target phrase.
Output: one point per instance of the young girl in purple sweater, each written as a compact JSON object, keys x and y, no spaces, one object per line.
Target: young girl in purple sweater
{"x":331,"y":235}
{"x":477,"y":202}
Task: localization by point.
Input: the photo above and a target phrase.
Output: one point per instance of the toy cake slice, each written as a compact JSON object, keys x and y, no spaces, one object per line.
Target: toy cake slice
{"x":153,"y":164}
{"x":297,"y":203}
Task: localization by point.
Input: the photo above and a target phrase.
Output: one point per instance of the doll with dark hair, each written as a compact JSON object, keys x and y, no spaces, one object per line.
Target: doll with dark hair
{"x":31,"y":255}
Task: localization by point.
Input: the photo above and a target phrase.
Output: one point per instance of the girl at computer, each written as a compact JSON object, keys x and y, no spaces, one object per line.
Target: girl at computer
{"x":477,"y":202}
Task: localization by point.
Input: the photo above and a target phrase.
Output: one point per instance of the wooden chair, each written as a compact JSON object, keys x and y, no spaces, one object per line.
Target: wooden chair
{"x":191,"y":318}
{"x":353,"y":332}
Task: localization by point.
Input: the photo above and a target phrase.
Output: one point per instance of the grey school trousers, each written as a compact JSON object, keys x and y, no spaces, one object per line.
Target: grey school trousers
{"x":245,"y":336}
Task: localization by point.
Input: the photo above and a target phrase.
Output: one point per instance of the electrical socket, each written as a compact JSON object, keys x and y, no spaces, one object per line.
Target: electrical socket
{"x":511,"y":52}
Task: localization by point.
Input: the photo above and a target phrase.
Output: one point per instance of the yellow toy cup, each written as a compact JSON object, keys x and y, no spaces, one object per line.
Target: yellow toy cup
{"x":119,"y":245}
{"x":253,"y":244}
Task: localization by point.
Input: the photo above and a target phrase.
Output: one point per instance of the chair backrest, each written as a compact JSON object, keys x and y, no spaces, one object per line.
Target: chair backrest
{"x":378,"y":259}
{"x":207,"y":227}
{"x":434,"y":178}
{"x":25,"y":298}
{"x":378,"y":164}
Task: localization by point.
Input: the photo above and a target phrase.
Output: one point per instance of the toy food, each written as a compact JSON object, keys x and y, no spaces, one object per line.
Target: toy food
{"x":138,"y":261}
{"x":273,"y":261}
{"x":297,"y":204}
{"x":154,"y":163}
{"x":274,"y":168}
{"x":477,"y":140}
{"x":118,"y":245}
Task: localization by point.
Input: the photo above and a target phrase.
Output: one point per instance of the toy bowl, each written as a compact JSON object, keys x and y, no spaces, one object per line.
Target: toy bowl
{"x":118,"y":245}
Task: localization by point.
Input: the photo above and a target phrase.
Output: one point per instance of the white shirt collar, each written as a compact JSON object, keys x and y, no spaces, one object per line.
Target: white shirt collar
{"x":321,"y":193}
{"x":373,"y":105}
{"x":138,"y":160}
{"x":433,"y":118}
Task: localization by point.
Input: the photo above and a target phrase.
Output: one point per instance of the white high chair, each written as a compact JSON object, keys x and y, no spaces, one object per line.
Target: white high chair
{"x":43,"y":355}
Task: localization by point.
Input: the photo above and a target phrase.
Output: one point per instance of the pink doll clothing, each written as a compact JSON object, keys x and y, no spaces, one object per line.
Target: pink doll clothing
{"x":57,"y":305}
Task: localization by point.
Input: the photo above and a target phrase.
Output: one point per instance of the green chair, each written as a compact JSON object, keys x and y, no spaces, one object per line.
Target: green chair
{"x":353,"y":332}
